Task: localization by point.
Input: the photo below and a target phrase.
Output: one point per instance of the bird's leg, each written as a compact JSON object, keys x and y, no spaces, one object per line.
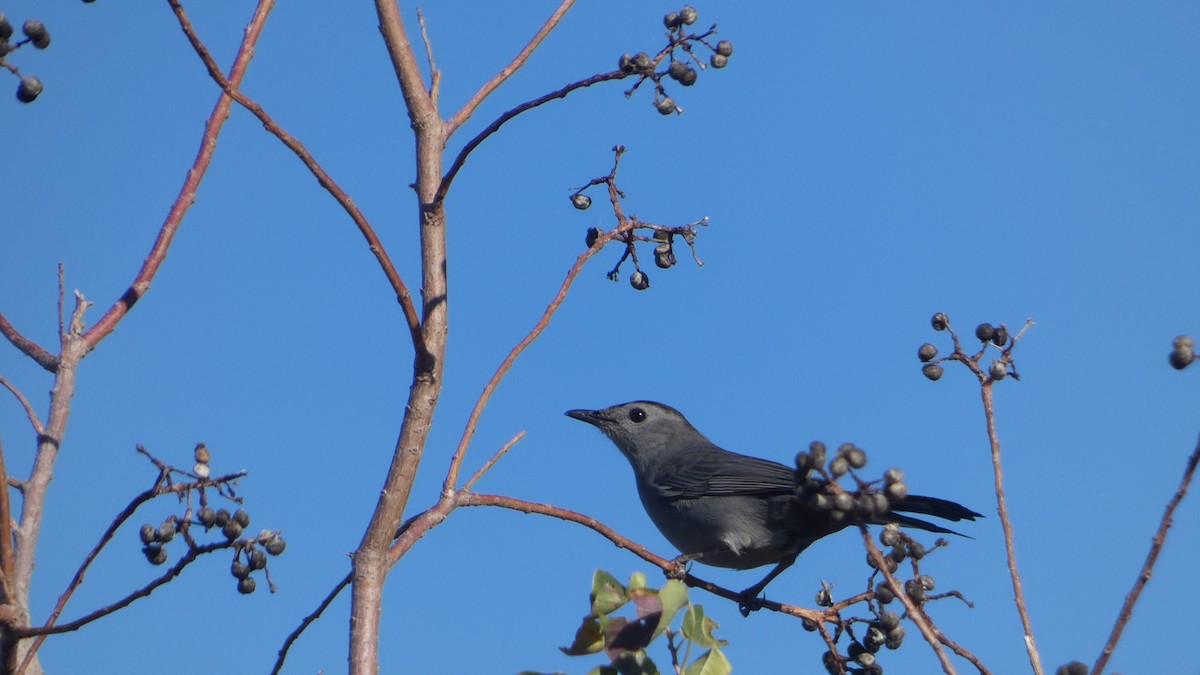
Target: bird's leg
{"x":749,"y":600}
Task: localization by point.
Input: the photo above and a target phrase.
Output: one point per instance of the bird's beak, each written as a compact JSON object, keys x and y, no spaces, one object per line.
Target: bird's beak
{"x":593,"y":417}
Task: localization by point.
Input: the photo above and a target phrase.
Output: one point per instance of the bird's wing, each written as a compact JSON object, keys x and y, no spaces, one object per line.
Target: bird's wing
{"x":722,"y":473}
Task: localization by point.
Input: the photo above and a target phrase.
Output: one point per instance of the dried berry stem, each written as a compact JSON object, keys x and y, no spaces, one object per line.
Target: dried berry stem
{"x":1035,"y":659}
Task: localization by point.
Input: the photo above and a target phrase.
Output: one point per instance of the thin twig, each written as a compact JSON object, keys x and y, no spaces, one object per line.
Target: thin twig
{"x":1156,"y":545}
{"x":7,"y":567}
{"x":191,"y":184}
{"x":492,"y":128}
{"x":486,"y":90}
{"x":451,"y":481}
{"x":187,"y":559}
{"x":1035,"y":659}
{"x":487,"y":466}
{"x":435,"y":75}
{"x":29,"y":411}
{"x":307,"y":621}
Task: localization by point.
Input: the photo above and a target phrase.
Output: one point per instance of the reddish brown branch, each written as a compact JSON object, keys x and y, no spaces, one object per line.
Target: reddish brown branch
{"x":7,"y":566}
{"x":403,"y":296}
{"x":507,"y":71}
{"x":30,"y":348}
{"x":191,"y":184}
{"x":1156,"y":545}
{"x":451,"y":482}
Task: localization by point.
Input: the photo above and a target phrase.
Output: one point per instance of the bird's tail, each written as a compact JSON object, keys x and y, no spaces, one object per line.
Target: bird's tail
{"x":929,"y":506}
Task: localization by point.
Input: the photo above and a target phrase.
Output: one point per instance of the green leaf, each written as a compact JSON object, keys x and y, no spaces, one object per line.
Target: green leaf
{"x":607,"y":593}
{"x":699,"y":628}
{"x":712,"y":662}
{"x":674,"y":596}
{"x":589,"y":638}
{"x":636,"y":580}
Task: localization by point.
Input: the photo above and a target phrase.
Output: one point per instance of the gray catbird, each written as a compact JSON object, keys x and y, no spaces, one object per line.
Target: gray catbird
{"x":725,"y":509}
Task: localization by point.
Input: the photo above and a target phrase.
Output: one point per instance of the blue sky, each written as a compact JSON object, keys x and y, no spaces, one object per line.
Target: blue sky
{"x":863,"y":167}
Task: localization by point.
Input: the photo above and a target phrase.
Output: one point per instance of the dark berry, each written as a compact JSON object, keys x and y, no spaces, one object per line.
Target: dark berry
{"x":246,"y":586}
{"x":166,"y":531}
{"x":895,"y":637}
{"x":239,"y":569}
{"x":29,"y":89}
{"x":258,"y":559}
{"x":883,"y":593}
{"x":1072,"y":668}
{"x":889,"y":536}
{"x":581,"y":202}
{"x":206,"y":516}
{"x":940,"y":321}
{"x":856,"y":457}
{"x":1000,"y":337}
{"x":241,"y":518}
{"x":896,"y":491}
{"x":997,"y":370}
{"x":665,"y":106}
{"x":6,"y":29}
{"x":984,"y":332}
{"x":671,"y":19}
{"x":664,"y":257}
{"x":824,"y":597}
{"x":35,"y":29}
{"x":689,"y":77}
{"x":222,"y":517}
{"x":626,"y":64}
{"x":642,"y":61}
{"x":838,"y":467}
{"x":148,"y":534}
{"x":275,"y":545}
{"x":1183,"y":352}
{"x":639,"y":280}
{"x":725,"y":48}
{"x":718,"y":61}
{"x":677,"y":69}
{"x":688,"y":15}
{"x":231,"y":530}
{"x":927,"y":352}
{"x":914,"y":589}
{"x":593,"y":234}
{"x":155,"y":553}
{"x":932,"y":371}
{"x":817,"y":449}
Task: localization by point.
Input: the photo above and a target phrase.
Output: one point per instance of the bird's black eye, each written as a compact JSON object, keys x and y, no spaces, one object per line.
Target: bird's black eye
{"x":637,"y":415}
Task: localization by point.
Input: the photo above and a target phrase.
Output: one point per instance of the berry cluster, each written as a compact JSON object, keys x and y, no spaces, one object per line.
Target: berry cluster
{"x":883,"y":629}
{"x":683,"y":69}
{"x":988,"y":336}
{"x":817,"y":486}
{"x":663,"y":237}
{"x":1183,"y":352}
{"x":36,"y":34}
{"x":250,"y":553}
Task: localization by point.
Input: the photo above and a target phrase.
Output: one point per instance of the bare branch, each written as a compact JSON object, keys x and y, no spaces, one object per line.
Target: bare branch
{"x":486,"y":90}
{"x":30,"y":348}
{"x":487,"y":466}
{"x":450,"y":484}
{"x":403,"y":296}
{"x":191,"y":184}
{"x":187,"y":559}
{"x":492,"y":128}
{"x":29,"y":411}
{"x":1156,"y":545}
{"x":307,"y":621}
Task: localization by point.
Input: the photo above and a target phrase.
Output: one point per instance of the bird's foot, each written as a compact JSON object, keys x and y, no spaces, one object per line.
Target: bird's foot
{"x":749,"y":603}
{"x":679,"y":567}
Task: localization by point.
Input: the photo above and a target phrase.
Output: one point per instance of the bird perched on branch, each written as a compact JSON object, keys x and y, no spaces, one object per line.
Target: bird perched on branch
{"x":730,"y":510}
